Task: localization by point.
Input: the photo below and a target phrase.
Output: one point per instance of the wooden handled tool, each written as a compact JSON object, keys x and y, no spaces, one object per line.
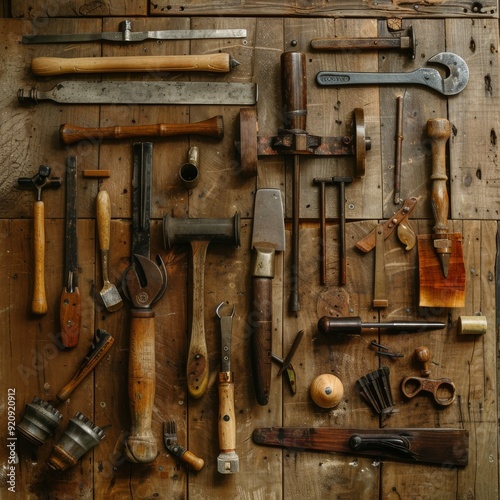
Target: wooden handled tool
{"x":49,"y":66}
{"x":170,"y":439}
{"x":213,"y":127}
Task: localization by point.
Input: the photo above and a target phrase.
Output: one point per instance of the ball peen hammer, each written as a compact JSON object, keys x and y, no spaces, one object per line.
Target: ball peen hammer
{"x":39,"y":181}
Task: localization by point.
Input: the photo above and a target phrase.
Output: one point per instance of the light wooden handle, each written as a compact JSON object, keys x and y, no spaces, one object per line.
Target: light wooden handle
{"x":50,"y":66}
{"x":227,"y":421}
{"x":197,"y":363}
{"x":196,"y":463}
{"x":213,"y":127}
{"x":140,"y":445}
{"x":39,"y":302}
{"x":103,"y":213}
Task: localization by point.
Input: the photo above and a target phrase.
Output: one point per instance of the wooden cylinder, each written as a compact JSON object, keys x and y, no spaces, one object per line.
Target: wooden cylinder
{"x":294,"y":82}
{"x":39,"y":301}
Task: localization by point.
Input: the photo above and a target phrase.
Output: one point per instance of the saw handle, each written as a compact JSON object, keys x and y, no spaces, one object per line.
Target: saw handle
{"x":294,"y":81}
{"x":50,"y":66}
{"x":140,"y":445}
{"x":213,"y":127}
{"x":39,"y":301}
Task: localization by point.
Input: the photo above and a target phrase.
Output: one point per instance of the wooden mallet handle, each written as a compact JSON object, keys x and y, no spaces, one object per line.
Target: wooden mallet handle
{"x":39,"y":301}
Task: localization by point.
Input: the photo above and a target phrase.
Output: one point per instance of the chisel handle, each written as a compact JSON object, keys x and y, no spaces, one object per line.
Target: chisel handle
{"x":39,"y":301}
{"x":50,"y":66}
{"x":140,"y":445}
{"x":213,"y":127}
{"x":227,"y":461}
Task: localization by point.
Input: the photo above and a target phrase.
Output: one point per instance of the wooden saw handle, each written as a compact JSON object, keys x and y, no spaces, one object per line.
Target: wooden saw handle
{"x":213,"y":127}
{"x":49,"y":66}
{"x":39,"y":301}
{"x":140,"y":445}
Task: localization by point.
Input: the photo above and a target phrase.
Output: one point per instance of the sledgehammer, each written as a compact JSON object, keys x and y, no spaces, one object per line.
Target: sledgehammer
{"x":199,"y":233}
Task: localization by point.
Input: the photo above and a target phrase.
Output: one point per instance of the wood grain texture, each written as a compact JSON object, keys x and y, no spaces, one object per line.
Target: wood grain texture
{"x":76,"y":8}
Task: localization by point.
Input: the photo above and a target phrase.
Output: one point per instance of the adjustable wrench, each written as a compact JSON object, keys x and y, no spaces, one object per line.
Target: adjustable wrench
{"x":454,"y":83}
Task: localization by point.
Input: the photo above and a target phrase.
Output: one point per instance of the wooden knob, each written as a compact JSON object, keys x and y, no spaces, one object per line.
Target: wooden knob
{"x":423,"y":354}
{"x":326,"y":390}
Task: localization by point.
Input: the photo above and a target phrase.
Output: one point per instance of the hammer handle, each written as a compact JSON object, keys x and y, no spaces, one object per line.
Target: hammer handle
{"x":49,"y":66}
{"x":39,"y":302}
{"x":213,"y":127}
{"x":140,"y":446}
{"x":294,"y":81}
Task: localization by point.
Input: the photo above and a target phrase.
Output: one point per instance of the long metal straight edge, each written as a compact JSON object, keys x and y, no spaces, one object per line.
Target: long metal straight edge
{"x":71,"y":247}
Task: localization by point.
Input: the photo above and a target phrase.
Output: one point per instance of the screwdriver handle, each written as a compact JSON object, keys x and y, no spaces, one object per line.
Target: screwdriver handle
{"x":227,"y":425}
{"x":39,"y":301}
{"x":350,"y":325}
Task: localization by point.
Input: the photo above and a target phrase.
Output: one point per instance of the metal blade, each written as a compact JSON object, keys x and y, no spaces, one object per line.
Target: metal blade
{"x":71,"y":247}
{"x":268,"y":221}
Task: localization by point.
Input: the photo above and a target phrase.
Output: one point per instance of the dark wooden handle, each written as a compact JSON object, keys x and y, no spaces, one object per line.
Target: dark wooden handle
{"x":294,"y":81}
{"x":261,"y":345}
{"x":70,"y":317}
{"x":39,"y":301}
{"x":196,"y":463}
{"x":213,"y":127}
{"x":140,"y":446}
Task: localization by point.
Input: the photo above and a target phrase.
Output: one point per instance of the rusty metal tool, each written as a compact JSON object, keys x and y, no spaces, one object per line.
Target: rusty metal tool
{"x":144,"y":283}
{"x":286,"y":363}
{"x":443,"y":390}
{"x":354,"y":325}
{"x":379,"y":289}
{"x":212,"y":127}
{"x":322,"y":182}
{"x":199,"y":233}
{"x":126,"y":35}
{"x":51,"y":66}
{"x":398,"y":154}
{"x":170,"y":440}
{"x":189,"y":173}
{"x":268,"y":237}
{"x":405,"y":43}
{"x":38,"y":182}
{"x":375,"y":389}
{"x":228,"y":461}
{"x":143,"y":92}
{"x":70,"y":305}
{"x":452,"y":84}
{"x":294,"y":141}
{"x":109,"y":294}
{"x":342,"y":181}
{"x":433,"y":446}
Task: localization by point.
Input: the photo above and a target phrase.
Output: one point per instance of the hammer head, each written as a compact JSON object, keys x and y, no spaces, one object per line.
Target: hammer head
{"x":458,"y":70}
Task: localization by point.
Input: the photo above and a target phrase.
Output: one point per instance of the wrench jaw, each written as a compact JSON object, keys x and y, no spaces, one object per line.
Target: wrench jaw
{"x":145,"y":281}
{"x":458,"y":76}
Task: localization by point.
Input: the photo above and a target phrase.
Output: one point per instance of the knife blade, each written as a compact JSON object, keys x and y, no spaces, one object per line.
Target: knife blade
{"x":268,"y":237}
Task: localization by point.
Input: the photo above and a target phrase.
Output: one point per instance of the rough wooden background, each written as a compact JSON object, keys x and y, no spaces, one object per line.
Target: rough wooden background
{"x":32,"y":364}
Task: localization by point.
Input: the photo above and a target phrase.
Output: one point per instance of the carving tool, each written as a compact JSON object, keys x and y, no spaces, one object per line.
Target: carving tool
{"x":125,"y":34}
{"x":342,"y":181}
{"x":398,"y":155}
{"x":50,"y":66}
{"x":268,"y":237}
{"x":199,"y":233}
{"x":228,"y":461}
{"x":322,"y":182}
{"x":110,"y":296}
{"x":431,"y":446}
{"x":146,"y":92}
{"x":375,"y":388}
{"x":286,"y":367}
{"x":170,"y":440}
{"x":70,"y":307}
{"x":39,"y":181}
{"x":379,"y":289}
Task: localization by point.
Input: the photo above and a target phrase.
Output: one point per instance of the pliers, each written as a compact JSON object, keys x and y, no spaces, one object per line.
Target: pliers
{"x":286,"y":364}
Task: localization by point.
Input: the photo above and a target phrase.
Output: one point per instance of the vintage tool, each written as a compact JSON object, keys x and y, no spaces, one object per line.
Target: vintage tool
{"x":268,"y":237}
{"x":286,"y":363}
{"x":472,"y":325}
{"x":145,"y":283}
{"x":452,"y":84}
{"x":40,"y":420}
{"x":189,"y":173}
{"x":170,"y":440}
{"x":354,"y":325}
{"x":441,"y":271}
{"x":101,"y":344}
{"x":326,"y":390}
{"x":411,"y":386}
{"x":127,"y":35}
{"x":400,"y":221}
{"x":39,"y":181}
{"x":228,"y":461}
{"x":432,"y":446}
{"x":322,"y":182}
{"x":70,"y":306}
{"x":109,"y":294}
{"x":342,"y":181}
{"x":405,"y":43}
{"x":294,"y":141}
{"x":50,"y":66}
{"x":79,"y":437}
{"x":199,"y":233}
{"x":375,"y":389}
{"x":213,"y":127}
{"x":398,"y":155}
{"x":423,"y":355}
{"x":379,"y":288}
{"x":145,"y":92}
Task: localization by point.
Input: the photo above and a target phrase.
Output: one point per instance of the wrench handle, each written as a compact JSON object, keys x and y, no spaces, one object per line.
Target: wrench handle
{"x":140,"y":446}
{"x":294,"y":81}
{"x":39,"y":301}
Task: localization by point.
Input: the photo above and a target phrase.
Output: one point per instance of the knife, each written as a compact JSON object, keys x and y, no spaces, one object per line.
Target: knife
{"x":268,"y":237}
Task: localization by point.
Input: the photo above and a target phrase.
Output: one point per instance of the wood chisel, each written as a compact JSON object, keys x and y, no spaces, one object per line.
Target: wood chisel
{"x":70,"y":309}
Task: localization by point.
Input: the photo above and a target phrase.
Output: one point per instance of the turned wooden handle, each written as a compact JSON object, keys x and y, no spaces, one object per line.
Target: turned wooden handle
{"x":213,"y":127}
{"x":294,"y":81}
{"x":103,"y":214}
{"x":70,"y":317}
{"x":140,"y":445}
{"x":227,"y":421}
{"x":196,"y":463}
{"x":197,"y":363}
{"x":39,"y":302}
{"x":49,"y":66}
{"x":261,"y":340}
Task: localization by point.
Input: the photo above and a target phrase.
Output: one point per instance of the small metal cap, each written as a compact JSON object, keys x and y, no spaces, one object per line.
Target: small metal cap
{"x":228,"y":463}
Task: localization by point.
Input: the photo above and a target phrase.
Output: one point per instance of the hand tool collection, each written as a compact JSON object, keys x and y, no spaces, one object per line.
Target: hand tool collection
{"x":145,"y":280}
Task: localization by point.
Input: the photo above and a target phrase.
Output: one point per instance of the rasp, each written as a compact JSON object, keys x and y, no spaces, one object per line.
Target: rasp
{"x":446,"y":447}
{"x":127,"y":35}
{"x":118,"y":92}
